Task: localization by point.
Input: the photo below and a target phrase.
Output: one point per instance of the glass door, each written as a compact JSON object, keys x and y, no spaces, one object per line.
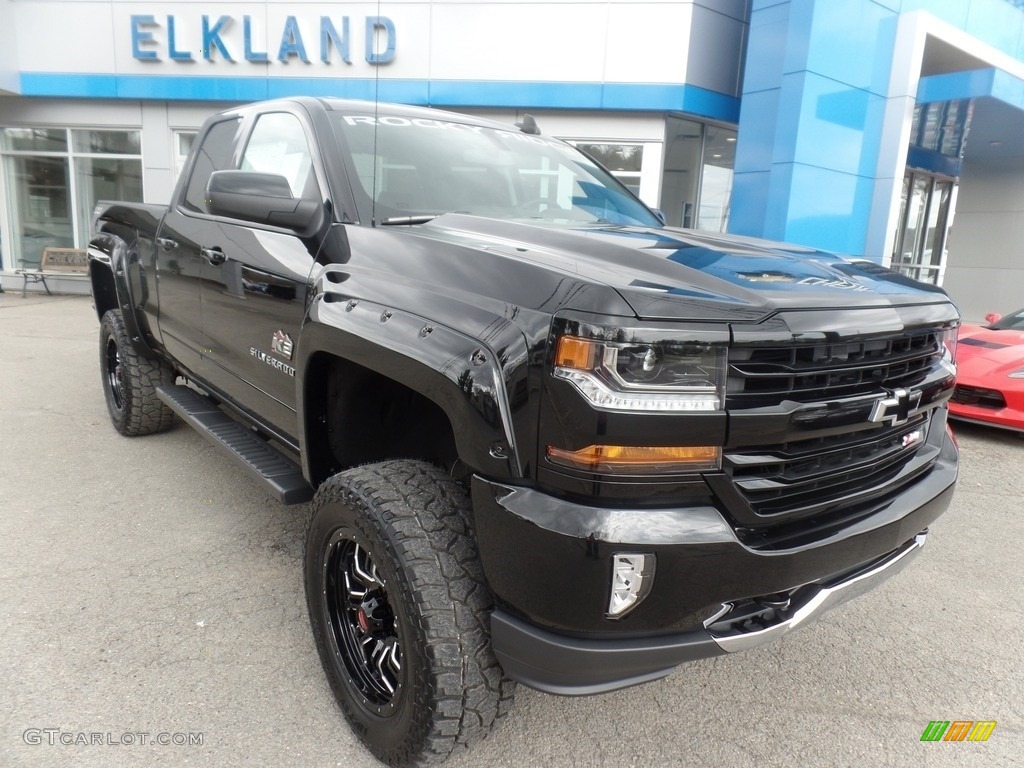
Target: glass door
{"x":696,"y":186}
{"x":926,"y":205}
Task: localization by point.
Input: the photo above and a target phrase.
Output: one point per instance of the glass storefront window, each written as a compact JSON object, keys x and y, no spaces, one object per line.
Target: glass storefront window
{"x":716,"y":178}
{"x":106,"y":142}
{"x":104,"y":179}
{"x":38,"y":206}
{"x":684,"y":141}
{"x":183,"y":141}
{"x":34,"y":140}
{"x":52,"y":179}
{"x":623,"y":160}
{"x":942,"y":126}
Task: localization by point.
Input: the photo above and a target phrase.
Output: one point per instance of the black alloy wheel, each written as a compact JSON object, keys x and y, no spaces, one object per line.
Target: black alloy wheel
{"x":115,"y":382}
{"x":400,"y":611}
{"x":130,"y":381}
{"x":362,"y":621}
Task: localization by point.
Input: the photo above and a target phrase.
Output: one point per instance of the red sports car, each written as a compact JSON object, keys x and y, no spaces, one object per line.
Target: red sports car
{"x":990,"y":373}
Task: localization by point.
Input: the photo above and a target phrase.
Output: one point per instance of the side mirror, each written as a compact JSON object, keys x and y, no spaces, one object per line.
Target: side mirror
{"x":262,"y":198}
{"x":993,"y":317}
{"x":659,"y":213}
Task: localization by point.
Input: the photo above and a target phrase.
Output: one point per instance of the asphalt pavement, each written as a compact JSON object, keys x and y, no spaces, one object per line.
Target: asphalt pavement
{"x":150,"y":592}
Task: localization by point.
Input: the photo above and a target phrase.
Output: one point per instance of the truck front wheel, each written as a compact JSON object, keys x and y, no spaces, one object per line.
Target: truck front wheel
{"x":130,"y":381}
{"x":399,"y":611}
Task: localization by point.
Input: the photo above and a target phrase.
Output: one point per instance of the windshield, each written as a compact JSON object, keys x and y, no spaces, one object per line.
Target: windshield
{"x":1010,"y":322}
{"x":425,"y":167}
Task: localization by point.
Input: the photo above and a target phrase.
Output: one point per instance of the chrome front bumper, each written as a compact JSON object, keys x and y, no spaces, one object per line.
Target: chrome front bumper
{"x":738,"y":628}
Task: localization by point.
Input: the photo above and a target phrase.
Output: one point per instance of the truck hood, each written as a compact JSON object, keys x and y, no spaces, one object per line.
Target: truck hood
{"x":665,"y":273}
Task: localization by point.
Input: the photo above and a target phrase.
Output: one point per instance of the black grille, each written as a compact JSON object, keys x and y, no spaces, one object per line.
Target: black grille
{"x":761,"y":375}
{"x":836,"y":451}
{"x":803,"y":478}
{"x":983,"y":398}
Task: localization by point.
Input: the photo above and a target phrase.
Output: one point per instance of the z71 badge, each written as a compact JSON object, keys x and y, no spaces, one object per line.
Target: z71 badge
{"x":281,"y":343}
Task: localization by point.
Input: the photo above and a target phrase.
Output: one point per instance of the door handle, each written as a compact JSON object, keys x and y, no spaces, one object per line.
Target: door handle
{"x":215,"y":256}
{"x":166,"y":243}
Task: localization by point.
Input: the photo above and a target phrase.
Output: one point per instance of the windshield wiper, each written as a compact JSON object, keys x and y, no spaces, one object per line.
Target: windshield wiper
{"x":420,"y":218}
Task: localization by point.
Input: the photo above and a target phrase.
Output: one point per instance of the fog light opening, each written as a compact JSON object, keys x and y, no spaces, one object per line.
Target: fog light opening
{"x":632,"y":579}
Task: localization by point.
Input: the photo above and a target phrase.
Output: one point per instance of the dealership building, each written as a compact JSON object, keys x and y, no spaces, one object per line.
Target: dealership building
{"x":886,"y":129}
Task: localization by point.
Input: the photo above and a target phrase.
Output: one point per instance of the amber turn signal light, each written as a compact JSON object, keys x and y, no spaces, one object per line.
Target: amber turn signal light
{"x":575,"y":353}
{"x":637,"y":459}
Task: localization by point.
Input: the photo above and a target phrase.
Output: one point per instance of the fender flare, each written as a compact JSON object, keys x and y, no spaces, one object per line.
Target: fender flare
{"x":109,"y":261}
{"x":468,"y":379}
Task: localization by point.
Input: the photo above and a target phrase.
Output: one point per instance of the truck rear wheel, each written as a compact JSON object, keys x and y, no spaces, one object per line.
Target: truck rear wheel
{"x":130,"y":381}
{"x":399,"y":611}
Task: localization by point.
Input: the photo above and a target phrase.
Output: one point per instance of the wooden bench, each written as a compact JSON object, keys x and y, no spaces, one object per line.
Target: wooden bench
{"x":56,"y":262}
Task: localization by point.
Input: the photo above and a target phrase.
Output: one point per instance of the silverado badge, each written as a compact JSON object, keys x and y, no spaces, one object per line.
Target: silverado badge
{"x":281,"y":343}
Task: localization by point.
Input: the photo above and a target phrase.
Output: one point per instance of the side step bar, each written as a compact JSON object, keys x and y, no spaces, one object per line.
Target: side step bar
{"x":281,"y":476}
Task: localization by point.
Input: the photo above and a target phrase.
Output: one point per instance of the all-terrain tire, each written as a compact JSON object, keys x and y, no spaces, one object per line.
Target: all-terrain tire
{"x":400,"y":611}
{"x":130,"y":381}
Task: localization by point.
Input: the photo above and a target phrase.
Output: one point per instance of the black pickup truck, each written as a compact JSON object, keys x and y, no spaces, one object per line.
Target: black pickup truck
{"x":547,"y":439}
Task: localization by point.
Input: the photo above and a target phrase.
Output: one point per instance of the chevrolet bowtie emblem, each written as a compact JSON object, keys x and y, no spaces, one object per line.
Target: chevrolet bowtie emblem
{"x":896,"y":408}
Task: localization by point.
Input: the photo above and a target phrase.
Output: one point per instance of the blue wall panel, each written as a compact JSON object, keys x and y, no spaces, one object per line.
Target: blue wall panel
{"x":753,"y":188}
{"x":757,"y":149}
{"x":64,"y":84}
{"x":826,"y":115}
{"x":953,"y":11}
{"x":647,"y":97}
{"x":828,"y":209}
{"x":767,"y":47}
{"x":852,"y":42}
{"x":840,"y":127}
{"x":997,"y":23}
{"x":892,"y":5}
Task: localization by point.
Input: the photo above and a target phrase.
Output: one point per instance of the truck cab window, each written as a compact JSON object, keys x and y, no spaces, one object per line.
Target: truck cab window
{"x":215,"y":154}
{"x":278,"y":145}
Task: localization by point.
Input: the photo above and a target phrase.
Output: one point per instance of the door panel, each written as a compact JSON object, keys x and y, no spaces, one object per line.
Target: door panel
{"x":255,"y":283}
{"x":177,"y":248}
{"x":178,"y":276}
{"x":253,"y":306}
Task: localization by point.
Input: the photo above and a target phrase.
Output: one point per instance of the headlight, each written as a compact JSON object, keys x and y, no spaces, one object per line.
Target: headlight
{"x":949,"y":342}
{"x":657,"y":376}
{"x":1017,"y":374}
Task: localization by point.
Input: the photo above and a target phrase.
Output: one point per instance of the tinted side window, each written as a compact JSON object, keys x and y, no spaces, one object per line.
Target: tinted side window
{"x":1011,"y":322}
{"x":278,"y":145}
{"x":215,"y":154}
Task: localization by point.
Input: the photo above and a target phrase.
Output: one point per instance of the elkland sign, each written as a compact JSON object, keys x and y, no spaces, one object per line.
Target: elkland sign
{"x":228,"y":38}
